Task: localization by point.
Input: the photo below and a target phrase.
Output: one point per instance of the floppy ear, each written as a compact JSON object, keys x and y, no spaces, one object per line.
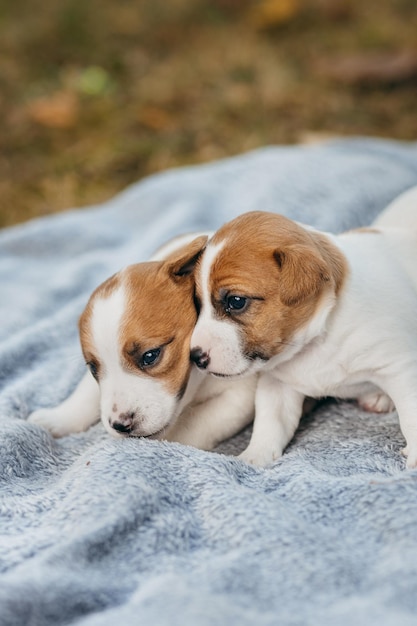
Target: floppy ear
{"x":303,"y":272}
{"x":182,"y":261}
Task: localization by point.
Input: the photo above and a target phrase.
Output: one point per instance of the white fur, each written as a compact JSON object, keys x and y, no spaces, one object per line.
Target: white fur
{"x":222,"y":337}
{"x":210,"y":410}
{"x":219,"y":410}
{"x":361,"y":345}
{"x":122,"y":391}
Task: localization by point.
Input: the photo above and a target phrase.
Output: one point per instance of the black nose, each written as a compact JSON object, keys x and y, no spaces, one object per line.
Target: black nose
{"x":200,"y":358}
{"x":123,"y":423}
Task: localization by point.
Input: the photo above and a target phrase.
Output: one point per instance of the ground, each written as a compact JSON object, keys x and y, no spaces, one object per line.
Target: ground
{"x":96,"y":95}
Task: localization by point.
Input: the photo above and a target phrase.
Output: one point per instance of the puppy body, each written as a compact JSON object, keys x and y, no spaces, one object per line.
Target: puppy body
{"x":135,"y":335}
{"x":316,"y":314}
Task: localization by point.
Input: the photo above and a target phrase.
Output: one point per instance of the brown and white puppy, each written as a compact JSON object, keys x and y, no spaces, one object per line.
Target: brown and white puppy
{"x":135,"y":336}
{"x":315,"y":314}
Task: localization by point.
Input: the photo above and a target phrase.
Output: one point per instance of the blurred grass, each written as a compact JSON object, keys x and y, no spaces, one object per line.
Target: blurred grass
{"x":95,"y":95}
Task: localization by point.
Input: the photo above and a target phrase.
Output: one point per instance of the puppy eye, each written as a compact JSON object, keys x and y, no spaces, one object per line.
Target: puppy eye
{"x":236,"y":303}
{"x":93,"y":367}
{"x":150,"y":357}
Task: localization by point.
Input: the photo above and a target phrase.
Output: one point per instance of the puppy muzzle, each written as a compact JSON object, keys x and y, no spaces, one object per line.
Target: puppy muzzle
{"x":123,"y":423}
{"x":200,"y":358}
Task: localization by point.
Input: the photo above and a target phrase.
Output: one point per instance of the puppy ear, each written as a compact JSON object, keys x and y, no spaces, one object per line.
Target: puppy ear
{"x":182,"y":262}
{"x":303,"y":272}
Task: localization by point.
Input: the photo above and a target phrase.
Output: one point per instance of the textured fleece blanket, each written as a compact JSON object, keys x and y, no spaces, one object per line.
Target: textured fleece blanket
{"x":96,"y":531}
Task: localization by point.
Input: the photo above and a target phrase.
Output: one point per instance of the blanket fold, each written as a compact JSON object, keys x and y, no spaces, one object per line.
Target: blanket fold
{"x":96,"y":531}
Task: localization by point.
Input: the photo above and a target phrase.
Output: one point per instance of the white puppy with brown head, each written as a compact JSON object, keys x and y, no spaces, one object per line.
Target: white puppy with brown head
{"x":316,"y":314}
{"x":135,"y":336}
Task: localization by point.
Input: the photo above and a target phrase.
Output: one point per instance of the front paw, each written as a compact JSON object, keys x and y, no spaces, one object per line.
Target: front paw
{"x":260,"y":456}
{"x":50,"y":419}
{"x":410,"y":452}
{"x":376,"y":402}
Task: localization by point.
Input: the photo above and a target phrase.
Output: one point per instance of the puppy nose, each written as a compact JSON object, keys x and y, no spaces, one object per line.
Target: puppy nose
{"x":123,"y":423}
{"x":200,"y":358}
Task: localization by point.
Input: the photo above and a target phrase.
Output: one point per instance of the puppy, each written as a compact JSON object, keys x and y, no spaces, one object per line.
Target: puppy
{"x":315,"y":314}
{"x":135,"y":336}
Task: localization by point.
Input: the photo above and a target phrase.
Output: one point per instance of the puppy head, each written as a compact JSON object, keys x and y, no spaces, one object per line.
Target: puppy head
{"x":135,"y":335}
{"x":261,"y":282}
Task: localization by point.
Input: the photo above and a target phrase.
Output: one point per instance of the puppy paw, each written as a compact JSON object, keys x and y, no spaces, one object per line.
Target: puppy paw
{"x":376,"y":402}
{"x":50,"y":419}
{"x":410,"y":453}
{"x":259,"y":456}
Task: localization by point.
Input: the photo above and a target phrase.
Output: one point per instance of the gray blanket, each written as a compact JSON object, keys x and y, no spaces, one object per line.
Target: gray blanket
{"x":98,"y":531}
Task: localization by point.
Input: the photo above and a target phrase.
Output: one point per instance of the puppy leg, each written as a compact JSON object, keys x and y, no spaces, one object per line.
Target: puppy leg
{"x":403,"y":391}
{"x":210,"y":422}
{"x":278,"y":410}
{"x":77,"y":413}
{"x":408,"y":423}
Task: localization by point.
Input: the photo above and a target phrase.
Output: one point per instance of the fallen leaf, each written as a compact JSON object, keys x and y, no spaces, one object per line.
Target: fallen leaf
{"x":371,"y":69}
{"x":59,"y":110}
{"x":271,"y":13}
{"x":155,"y":118}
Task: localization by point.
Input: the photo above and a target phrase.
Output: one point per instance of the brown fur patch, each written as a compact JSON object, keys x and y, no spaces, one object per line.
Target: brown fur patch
{"x":182,"y":262}
{"x":285,"y":270}
{"x":159,"y":311}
